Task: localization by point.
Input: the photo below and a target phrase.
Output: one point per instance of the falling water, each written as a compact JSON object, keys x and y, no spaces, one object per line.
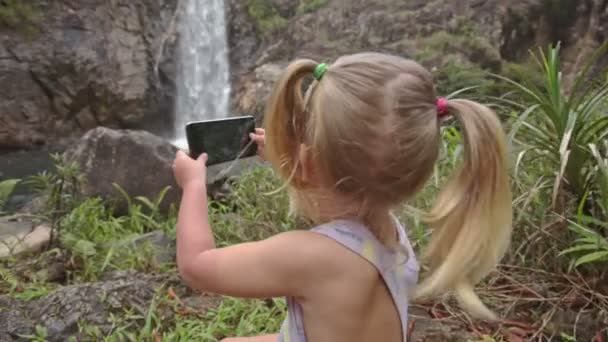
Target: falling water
{"x":203,"y":86}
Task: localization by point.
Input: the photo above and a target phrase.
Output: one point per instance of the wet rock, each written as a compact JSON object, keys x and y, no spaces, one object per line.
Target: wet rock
{"x":87,"y":63}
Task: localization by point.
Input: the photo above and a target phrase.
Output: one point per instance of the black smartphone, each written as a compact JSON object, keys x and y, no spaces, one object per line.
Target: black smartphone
{"x":223,"y":140}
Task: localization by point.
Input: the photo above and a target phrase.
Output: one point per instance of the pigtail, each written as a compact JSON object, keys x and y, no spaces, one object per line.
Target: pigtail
{"x":285,"y":118}
{"x":472,"y":215}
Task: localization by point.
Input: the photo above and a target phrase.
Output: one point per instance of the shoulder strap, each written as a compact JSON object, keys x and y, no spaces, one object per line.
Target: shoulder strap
{"x":357,"y":238}
{"x":399,"y":268}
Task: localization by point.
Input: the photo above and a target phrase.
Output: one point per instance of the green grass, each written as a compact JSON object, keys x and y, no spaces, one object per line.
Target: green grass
{"x":23,"y":290}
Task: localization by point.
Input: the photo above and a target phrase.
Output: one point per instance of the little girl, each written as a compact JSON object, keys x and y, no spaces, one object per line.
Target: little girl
{"x":362,"y":140}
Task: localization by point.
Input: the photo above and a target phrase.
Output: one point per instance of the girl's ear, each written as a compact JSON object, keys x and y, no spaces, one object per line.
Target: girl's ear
{"x":307,"y":170}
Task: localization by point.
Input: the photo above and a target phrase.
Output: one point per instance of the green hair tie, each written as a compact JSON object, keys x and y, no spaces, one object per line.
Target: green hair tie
{"x":320,"y":70}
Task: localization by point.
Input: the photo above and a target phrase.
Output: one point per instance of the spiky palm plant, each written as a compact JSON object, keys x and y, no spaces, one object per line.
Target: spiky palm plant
{"x":555,"y":126}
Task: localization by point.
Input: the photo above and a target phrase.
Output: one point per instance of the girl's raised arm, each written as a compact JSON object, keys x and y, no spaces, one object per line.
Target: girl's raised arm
{"x":287,"y":264}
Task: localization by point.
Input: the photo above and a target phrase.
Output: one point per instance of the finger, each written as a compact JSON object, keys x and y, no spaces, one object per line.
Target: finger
{"x":203,"y":158}
{"x":257,"y":138}
{"x":260,"y":131}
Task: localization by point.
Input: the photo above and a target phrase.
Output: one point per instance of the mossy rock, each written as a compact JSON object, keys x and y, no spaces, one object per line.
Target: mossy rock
{"x":19,"y":15}
{"x":308,"y":6}
{"x":476,"y":49}
{"x":266,"y":16}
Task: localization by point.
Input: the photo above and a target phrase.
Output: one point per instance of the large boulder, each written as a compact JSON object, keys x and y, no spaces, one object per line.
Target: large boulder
{"x":75,"y":65}
{"x":62,"y":311}
{"x":140,"y":163}
{"x":137,"y":161}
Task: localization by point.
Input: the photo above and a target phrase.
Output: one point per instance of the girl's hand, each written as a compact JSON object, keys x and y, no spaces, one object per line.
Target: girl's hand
{"x":189,"y":171}
{"x":259,"y":138}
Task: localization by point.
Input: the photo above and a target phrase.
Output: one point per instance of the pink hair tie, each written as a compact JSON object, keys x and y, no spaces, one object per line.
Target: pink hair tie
{"x":442,"y":106}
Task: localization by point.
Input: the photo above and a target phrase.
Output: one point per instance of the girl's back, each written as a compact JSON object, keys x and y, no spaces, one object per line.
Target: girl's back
{"x":367,"y":299}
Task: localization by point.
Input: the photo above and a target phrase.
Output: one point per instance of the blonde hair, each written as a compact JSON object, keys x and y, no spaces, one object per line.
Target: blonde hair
{"x":372,"y":132}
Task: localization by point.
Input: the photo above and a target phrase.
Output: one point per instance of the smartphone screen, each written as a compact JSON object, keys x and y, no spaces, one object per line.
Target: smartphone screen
{"x":223,"y":140}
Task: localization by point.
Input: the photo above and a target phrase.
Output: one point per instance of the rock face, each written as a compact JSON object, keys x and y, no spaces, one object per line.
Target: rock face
{"x":456,"y":39}
{"x":85,"y":64}
{"x":112,"y":63}
{"x":61,"y":312}
{"x":254,"y":88}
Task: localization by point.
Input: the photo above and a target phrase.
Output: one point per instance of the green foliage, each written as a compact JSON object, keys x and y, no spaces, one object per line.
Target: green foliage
{"x":10,"y":284}
{"x":6,"y":189}
{"x":266,"y":16}
{"x":461,"y":61}
{"x":589,"y":246}
{"x":39,"y":336}
{"x":556,"y":127}
{"x":251,"y":213}
{"x":591,"y":226}
{"x":308,"y":6}
{"x":523,"y":72}
{"x":20,"y":15}
{"x":61,"y":191}
{"x":100,"y":241}
{"x":237,"y":317}
{"x":455,"y":75}
{"x":233,"y":317}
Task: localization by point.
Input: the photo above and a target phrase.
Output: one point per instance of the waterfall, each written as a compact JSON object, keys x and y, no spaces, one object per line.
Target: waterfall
{"x":203,"y":85}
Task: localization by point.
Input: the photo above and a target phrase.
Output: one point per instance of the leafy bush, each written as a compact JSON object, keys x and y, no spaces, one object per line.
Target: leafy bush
{"x":61,"y":191}
{"x":456,"y":75}
{"x":100,"y":241}
{"x":6,"y":189}
{"x":252,"y":211}
{"x":590,"y":247}
{"x":591,"y":225}
{"x":556,"y":127}
{"x":461,"y":60}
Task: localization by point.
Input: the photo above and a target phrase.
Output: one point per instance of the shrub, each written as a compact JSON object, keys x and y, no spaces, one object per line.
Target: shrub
{"x":556,"y":127}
